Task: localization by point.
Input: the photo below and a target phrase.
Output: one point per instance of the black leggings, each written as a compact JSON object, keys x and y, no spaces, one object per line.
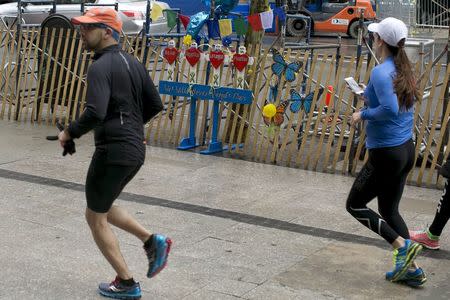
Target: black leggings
{"x":105,"y":182}
{"x":442,"y":212}
{"x":383,"y":176}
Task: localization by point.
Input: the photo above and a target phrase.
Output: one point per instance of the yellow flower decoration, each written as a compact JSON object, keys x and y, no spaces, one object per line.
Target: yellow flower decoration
{"x":187,"y":40}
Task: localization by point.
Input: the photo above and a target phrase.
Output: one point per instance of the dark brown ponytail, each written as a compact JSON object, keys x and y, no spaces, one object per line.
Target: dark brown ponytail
{"x":405,"y":81}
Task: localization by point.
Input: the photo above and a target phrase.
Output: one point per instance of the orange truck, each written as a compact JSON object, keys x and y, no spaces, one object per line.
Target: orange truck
{"x":330,"y":16}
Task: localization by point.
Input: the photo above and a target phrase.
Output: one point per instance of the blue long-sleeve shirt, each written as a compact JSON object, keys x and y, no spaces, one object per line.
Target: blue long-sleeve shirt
{"x":388,"y":125}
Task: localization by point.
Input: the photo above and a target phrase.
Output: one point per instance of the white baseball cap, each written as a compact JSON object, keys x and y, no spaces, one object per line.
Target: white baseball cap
{"x":390,"y":30}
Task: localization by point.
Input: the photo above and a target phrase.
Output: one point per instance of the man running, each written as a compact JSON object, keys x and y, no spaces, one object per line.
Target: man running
{"x":120,"y":98}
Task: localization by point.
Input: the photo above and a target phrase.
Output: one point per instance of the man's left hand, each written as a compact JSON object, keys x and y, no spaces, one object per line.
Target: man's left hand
{"x":63,"y":137}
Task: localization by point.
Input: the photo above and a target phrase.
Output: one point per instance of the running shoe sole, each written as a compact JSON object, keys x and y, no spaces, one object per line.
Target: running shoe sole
{"x":416,"y":248}
{"x":156,"y":272}
{"x":115,"y":296}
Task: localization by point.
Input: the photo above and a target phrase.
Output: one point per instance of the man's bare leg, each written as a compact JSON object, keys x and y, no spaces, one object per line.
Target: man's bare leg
{"x":107,"y":242}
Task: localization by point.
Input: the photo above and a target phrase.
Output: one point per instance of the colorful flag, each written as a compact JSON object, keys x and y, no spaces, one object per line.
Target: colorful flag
{"x":171,"y":17}
{"x":255,"y":22}
{"x":225,"y":27}
{"x":157,"y":12}
{"x":240,"y":26}
{"x":184,"y":20}
{"x":267,"y":19}
{"x":279,"y":12}
{"x":213,"y":29}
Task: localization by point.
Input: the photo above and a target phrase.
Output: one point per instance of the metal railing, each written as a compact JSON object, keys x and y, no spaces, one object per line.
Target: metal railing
{"x":433,"y":13}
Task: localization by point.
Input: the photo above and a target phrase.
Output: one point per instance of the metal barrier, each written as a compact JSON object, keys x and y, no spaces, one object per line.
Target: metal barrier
{"x":401,"y":9}
{"x":433,"y":13}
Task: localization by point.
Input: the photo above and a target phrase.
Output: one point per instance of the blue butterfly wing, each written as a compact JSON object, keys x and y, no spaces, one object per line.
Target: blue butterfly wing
{"x":297,"y":102}
{"x":307,"y":102}
{"x":279,"y":64}
{"x":278,"y":68}
{"x":291,"y":70}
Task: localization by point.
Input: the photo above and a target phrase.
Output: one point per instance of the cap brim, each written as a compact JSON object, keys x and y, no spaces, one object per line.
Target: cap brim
{"x":373,"y":27}
{"x":83,"y":20}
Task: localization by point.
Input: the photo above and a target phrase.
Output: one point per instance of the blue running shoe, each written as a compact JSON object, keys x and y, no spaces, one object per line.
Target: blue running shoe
{"x":117,"y":290}
{"x":403,"y":258}
{"x":157,"y":254}
{"x":414,"y":278}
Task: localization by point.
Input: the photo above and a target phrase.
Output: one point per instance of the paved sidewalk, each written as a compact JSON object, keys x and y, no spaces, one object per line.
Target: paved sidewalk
{"x":240,"y":229}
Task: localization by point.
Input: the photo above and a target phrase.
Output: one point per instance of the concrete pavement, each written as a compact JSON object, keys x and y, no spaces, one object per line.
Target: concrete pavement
{"x":240,"y":229}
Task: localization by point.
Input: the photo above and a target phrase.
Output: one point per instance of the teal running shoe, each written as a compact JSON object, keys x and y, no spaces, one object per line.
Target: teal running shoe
{"x":117,"y":290}
{"x":414,"y":278}
{"x":157,"y":254}
{"x":403,"y":258}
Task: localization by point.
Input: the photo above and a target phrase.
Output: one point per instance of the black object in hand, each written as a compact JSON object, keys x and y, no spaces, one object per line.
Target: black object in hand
{"x":445,"y":169}
{"x":69,"y":146}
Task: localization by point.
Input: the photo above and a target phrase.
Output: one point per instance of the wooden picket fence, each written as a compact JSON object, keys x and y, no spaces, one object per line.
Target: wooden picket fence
{"x":44,"y":80}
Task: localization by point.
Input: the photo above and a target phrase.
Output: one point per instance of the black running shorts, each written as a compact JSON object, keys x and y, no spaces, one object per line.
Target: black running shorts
{"x":105,"y":182}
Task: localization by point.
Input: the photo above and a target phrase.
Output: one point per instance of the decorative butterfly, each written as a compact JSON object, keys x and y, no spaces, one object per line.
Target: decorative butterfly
{"x":278,"y":119}
{"x":302,"y":101}
{"x":280,"y":66}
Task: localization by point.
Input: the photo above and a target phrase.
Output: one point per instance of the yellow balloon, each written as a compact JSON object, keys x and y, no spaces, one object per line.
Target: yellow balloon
{"x":269,"y":110}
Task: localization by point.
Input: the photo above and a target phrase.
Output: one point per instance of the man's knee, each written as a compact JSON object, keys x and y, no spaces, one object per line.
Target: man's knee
{"x":96,"y":220}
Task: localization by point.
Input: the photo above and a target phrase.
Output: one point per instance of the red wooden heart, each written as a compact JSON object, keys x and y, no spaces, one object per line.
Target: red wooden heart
{"x":170,"y":54}
{"x":216,"y":58}
{"x":193,"y":56}
{"x":240,"y":61}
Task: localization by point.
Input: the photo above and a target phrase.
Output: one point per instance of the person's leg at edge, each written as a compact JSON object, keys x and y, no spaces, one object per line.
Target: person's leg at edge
{"x":107,"y":242}
{"x":430,"y":237}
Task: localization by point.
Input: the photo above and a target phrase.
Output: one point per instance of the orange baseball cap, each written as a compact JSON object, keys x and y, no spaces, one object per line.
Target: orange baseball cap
{"x":100,"y":15}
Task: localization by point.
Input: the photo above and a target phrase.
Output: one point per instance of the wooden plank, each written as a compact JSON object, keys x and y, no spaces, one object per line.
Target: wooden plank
{"x":38,"y":100}
{"x":32,"y":83}
{"x":74,"y":78}
{"x":348,"y":110}
{"x":81,"y":99}
{"x":421,"y":133}
{"x":436,"y":117}
{"x":174,"y":104}
{"x":334,"y":107}
{"x":244,"y":121}
{"x":157,"y":119}
{"x":352,"y":129}
{"x":14,"y":77}
{"x":300,"y":116}
{"x":5,"y":59}
{"x":46,"y":57}
{"x":59,"y":103}
{"x":312,"y":144}
{"x":52,"y":82}
{"x":21,"y":85}
{"x":278,"y":149}
{"x":322,"y":119}
{"x":68,"y":67}
{"x":308,"y":120}
{"x":266,"y":139}
{"x":259,"y":86}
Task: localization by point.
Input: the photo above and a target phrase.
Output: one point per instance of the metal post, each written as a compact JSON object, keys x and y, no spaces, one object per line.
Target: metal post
{"x":146,"y":32}
{"x":355,"y":140}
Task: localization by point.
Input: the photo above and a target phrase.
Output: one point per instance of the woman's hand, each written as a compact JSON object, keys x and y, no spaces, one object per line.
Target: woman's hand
{"x":355,"y":118}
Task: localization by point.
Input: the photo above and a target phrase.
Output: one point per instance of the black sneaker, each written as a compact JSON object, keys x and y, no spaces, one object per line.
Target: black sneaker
{"x":117,"y":290}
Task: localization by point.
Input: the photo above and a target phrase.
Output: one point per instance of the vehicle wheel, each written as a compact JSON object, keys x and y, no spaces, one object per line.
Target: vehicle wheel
{"x":353,"y":30}
{"x":296,"y":27}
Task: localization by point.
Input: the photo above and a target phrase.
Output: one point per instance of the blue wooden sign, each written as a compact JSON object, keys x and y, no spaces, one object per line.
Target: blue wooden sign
{"x":206,"y":92}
